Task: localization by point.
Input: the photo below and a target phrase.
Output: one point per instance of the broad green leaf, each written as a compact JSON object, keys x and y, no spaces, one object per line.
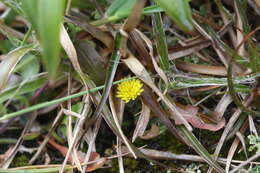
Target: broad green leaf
{"x":8,"y":64}
{"x":27,"y":87}
{"x":120,"y":7}
{"x":28,"y":67}
{"x":179,"y":11}
{"x":50,"y":16}
{"x":30,"y":8}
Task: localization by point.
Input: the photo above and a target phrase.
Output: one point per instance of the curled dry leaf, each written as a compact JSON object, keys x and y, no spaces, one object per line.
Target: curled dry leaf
{"x":70,"y":49}
{"x":8,"y":64}
{"x":95,"y":166}
{"x":151,"y":133}
{"x":142,"y":122}
{"x":190,"y":114}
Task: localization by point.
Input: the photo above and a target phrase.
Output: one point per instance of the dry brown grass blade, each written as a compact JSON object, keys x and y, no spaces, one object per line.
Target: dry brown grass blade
{"x":164,"y":155}
{"x":138,"y":69}
{"x":151,"y":53}
{"x":256,"y":156}
{"x":229,"y":127}
{"x":202,"y":69}
{"x":252,"y":126}
{"x":179,"y":51}
{"x":231,"y":32}
{"x":117,"y":108}
{"x":206,"y":20}
{"x":234,"y":146}
{"x":220,"y":50}
{"x":6,"y":163}
{"x":6,"y":154}
{"x":74,"y":136}
{"x":104,"y":37}
{"x":70,"y":51}
{"x":153,"y":132}
{"x":142,"y":122}
{"x":222,"y":106}
{"x":94,"y":157}
{"x":193,"y":45}
{"x":258,"y":3}
{"x":91,"y":143}
{"x":140,"y":47}
{"x":135,"y":16}
{"x":47,"y":137}
{"x":12,"y":32}
{"x":240,"y":30}
{"x":242,"y":141}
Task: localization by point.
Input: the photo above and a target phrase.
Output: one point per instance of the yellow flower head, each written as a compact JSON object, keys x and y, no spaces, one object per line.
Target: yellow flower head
{"x":129,"y":90}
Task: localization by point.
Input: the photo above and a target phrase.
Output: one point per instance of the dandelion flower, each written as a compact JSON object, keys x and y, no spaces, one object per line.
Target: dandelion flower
{"x":129,"y":90}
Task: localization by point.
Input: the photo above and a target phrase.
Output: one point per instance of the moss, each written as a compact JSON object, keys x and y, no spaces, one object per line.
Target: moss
{"x":170,"y":143}
{"x":21,"y":160}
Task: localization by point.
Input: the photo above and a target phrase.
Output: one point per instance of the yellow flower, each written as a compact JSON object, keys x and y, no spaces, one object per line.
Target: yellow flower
{"x":129,"y":90}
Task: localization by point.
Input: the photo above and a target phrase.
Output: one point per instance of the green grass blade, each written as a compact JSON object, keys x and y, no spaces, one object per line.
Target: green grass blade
{"x":50,"y":17}
{"x":30,"y":8}
{"x":56,"y":101}
{"x":160,"y":41}
{"x":148,"y":10}
{"x":120,"y":7}
{"x":195,"y":143}
{"x":115,"y":57}
{"x":233,"y":93}
{"x":179,"y":11}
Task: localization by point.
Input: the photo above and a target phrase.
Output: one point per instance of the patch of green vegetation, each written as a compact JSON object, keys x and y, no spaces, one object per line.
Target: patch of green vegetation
{"x":254,"y":143}
{"x":19,"y":161}
{"x":255,"y":169}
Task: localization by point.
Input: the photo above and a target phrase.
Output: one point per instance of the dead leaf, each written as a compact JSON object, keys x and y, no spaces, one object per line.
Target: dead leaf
{"x":142,"y":122}
{"x":190,"y":114}
{"x":8,"y":64}
{"x":97,"y":165}
{"x":151,"y":133}
{"x":135,"y":16}
{"x":70,"y":50}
